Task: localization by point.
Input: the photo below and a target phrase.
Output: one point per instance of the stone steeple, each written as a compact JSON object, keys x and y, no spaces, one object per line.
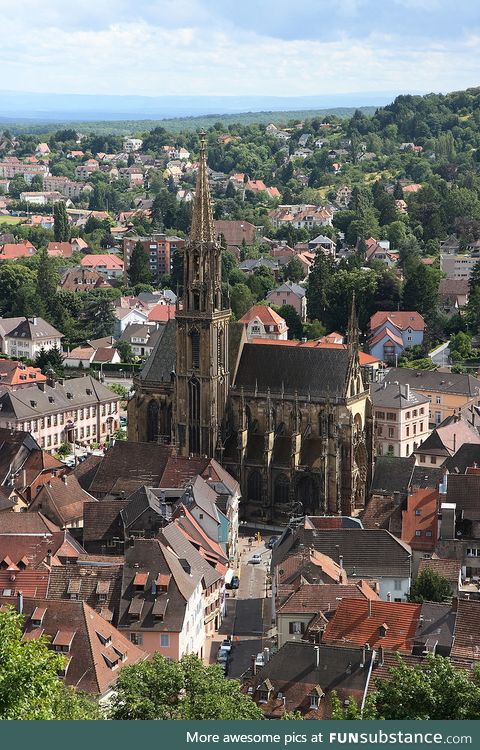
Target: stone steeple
{"x":203,"y":229}
{"x":202,"y":378}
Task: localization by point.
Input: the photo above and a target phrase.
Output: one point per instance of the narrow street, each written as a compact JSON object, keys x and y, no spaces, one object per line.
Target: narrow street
{"x":249,"y":611}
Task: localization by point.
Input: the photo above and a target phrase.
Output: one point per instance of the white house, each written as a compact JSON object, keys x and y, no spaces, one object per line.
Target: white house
{"x":25,"y":337}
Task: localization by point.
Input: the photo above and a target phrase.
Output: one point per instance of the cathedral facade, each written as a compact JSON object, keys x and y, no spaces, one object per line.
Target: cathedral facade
{"x":293,"y":423}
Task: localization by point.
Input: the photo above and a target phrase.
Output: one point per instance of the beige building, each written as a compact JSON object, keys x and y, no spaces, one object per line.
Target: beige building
{"x":401,"y":418}
{"x":26,"y":337}
{"x":447,"y":392}
{"x":79,"y":410}
{"x":457,"y":266}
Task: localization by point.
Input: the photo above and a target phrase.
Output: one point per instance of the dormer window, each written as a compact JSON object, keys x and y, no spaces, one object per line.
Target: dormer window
{"x":102,"y":590}
{"x":37,"y":616}
{"x":104,"y":639}
{"x":162,"y":582}
{"x":73,"y":589}
{"x":382,"y":630}
{"x":140,"y":581}
{"x":63,"y":671}
{"x":63,"y":641}
{"x":315,"y":697}
{"x":264,"y":691}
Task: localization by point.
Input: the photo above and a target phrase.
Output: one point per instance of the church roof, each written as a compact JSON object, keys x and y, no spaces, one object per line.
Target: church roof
{"x":162,"y":361}
{"x":320,"y":372}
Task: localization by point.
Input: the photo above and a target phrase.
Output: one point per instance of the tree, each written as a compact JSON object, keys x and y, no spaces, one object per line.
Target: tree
{"x":420,"y":291}
{"x":61,"y":229}
{"x":29,"y":684}
{"x":17,"y":185}
{"x":319,"y":281}
{"x":17,"y":290}
{"x":293,"y":321}
{"x":431,"y":690}
{"x":241,"y":300}
{"x":50,"y":359}
{"x":99,"y":316}
{"x":125,"y":351}
{"x":47,"y":283}
{"x":139,"y":270}
{"x":429,"y":586}
{"x":294,"y":270}
{"x":187,"y":689}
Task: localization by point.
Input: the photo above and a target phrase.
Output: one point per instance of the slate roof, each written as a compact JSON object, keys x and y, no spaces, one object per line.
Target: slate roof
{"x":141,"y":500}
{"x":389,"y":394}
{"x":448,"y":437}
{"x":467,"y":455}
{"x":85,"y":470}
{"x":392,"y":474}
{"x":174,"y":537}
{"x":292,"y":673}
{"x":431,"y":380}
{"x":464,"y":491}
{"x":320,"y":372}
{"x":367,"y":553}
{"x":32,"y":329}
{"x":29,"y":403}
{"x":436,"y":625}
{"x":162,"y":361}
{"x":152,"y":557}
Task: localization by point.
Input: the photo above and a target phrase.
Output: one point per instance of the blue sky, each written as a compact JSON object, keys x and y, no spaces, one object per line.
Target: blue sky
{"x":241,"y":47}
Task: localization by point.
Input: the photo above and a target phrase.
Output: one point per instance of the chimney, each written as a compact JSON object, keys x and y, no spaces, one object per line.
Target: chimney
{"x":389,"y":596}
{"x":340,"y":561}
{"x":254,"y":664}
{"x":64,"y":479}
{"x":20,"y":602}
{"x":407,"y":392}
{"x":380,"y":656}
{"x":454,"y":603}
{"x":266,"y":655}
{"x":317,"y":656}
{"x":49,"y":558}
{"x":369,"y":607}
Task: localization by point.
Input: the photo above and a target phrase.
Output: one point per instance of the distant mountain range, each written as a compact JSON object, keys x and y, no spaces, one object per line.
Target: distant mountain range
{"x":38,"y":107}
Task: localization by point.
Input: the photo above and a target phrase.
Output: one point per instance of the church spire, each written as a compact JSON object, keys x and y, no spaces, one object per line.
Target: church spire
{"x":352,"y":330}
{"x":203,"y":229}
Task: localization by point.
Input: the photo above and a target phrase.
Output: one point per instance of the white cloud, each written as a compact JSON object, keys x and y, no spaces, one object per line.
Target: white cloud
{"x":179,"y":48}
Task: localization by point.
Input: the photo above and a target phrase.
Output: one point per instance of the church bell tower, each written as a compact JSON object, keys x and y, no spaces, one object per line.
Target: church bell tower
{"x":202,"y":377}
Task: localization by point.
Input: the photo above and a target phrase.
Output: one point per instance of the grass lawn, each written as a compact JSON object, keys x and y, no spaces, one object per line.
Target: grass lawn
{"x":11,"y":219}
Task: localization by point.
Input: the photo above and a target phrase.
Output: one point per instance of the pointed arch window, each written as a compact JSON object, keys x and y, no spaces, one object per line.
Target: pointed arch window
{"x":195,"y":348}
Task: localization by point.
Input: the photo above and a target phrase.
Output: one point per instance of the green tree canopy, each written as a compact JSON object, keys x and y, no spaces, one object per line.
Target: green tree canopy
{"x":139,"y":270}
{"x":29,"y":684}
{"x":429,"y":586}
{"x":61,"y":228}
{"x":186,"y":689}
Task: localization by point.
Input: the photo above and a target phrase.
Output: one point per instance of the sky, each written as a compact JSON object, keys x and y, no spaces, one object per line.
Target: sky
{"x":240,"y":47}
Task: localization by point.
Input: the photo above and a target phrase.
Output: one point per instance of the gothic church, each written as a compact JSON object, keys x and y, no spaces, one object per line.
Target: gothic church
{"x":293,"y":423}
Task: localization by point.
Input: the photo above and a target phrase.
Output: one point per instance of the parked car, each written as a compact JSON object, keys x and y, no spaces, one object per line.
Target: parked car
{"x":272,"y":542}
{"x":222,"y":659}
{"x":235,"y":582}
{"x":226,"y":645}
{"x":255,"y":559}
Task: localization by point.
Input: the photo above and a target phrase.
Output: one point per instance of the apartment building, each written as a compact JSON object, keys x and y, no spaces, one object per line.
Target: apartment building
{"x":79,"y":410}
{"x":26,"y":337}
{"x":458,"y":266}
{"x":159,"y":249}
{"x":401,"y":418}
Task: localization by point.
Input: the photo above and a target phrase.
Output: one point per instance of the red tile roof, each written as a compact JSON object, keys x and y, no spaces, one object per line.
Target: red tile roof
{"x":111,"y":262}
{"x":402,"y":320}
{"x":161,"y":313}
{"x":12,"y":250}
{"x":353,"y":624}
{"x":265,"y":314}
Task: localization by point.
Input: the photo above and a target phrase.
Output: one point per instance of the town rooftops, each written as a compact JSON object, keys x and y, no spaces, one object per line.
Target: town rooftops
{"x":266,"y":315}
{"x":431,"y":380}
{"x":395,"y":396}
{"x":32,"y":329}
{"x":378,"y":623}
{"x":367,"y":553}
{"x":400,"y":320}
